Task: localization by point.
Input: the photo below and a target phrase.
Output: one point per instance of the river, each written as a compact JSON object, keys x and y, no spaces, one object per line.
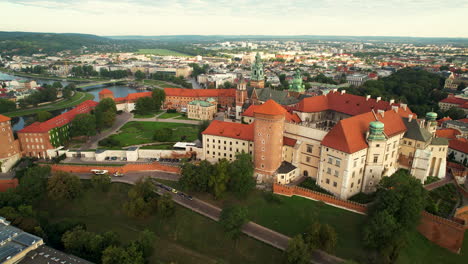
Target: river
{"x":19,"y":123}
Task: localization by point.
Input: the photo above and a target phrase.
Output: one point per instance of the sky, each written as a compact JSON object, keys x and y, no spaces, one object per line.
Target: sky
{"x":417,"y":18}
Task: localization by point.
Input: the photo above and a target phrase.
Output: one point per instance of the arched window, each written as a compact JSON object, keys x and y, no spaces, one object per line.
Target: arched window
{"x":306,"y":173}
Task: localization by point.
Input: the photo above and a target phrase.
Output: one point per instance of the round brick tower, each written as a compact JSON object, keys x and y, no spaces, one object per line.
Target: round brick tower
{"x":106,"y":93}
{"x":241,"y":96}
{"x":268,"y":139}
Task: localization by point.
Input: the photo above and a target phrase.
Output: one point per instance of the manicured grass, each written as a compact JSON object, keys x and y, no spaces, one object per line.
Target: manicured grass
{"x":293,"y":214}
{"x":161,"y":84}
{"x":141,"y":132}
{"x":76,"y":99}
{"x":169,"y":115}
{"x":161,"y":146}
{"x":143,"y":116}
{"x":162,"y":52}
{"x":186,"y":237}
{"x":183,"y":117}
{"x":51,"y":77}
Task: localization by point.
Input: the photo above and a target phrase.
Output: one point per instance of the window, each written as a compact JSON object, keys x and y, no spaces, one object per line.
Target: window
{"x":355,"y":163}
{"x":328,"y":170}
{"x":353,"y":174}
{"x":327,"y":181}
{"x":334,"y":184}
{"x":336,"y":173}
{"x":330,"y":160}
{"x":309,"y":148}
{"x":352,"y":185}
{"x":338,"y":162}
{"x":307,"y":159}
{"x":386,"y":157}
{"x":378,"y":145}
{"x":376,"y":158}
{"x":359,"y":181}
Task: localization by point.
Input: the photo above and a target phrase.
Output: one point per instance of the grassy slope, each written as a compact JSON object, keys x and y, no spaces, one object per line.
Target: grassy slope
{"x":169,"y":115}
{"x":76,"y":99}
{"x":141,"y":132}
{"x":184,"y":238}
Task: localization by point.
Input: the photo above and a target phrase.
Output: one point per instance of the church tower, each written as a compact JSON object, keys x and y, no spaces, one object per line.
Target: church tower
{"x":268,"y":140}
{"x":297,"y":85}
{"x":257,"y":78}
{"x":241,"y":96}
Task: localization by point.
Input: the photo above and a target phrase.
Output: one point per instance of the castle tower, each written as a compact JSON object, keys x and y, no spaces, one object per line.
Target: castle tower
{"x":297,"y":85}
{"x":268,"y":139}
{"x":106,"y":93}
{"x":10,"y":151}
{"x":257,"y":78}
{"x":374,"y":169}
{"x":431,"y":123}
{"x":241,"y":96}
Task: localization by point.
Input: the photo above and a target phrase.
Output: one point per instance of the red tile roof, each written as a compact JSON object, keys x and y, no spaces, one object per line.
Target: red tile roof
{"x":449,"y":133}
{"x":106,"y":91}
{"x":454,"y":100}
{"x":7,"y":184}
{"x":133,"y":97}
{"x":270,"y":107}
{"x":464,"y":120}
{"x":349,"y":135}
{"x":460,"y":145}
{"x":289,"y":141}
{"x":289,"y":117}
{"x":230,"y":130}
{"x":344,"y":103}
{"x":183,"y":92}
{"x":4,"y":118}
{"x":442,"y":120}
{"x":60,"y":120}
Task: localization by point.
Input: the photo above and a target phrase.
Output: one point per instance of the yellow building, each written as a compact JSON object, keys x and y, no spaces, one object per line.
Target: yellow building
{"x":202,"y":109}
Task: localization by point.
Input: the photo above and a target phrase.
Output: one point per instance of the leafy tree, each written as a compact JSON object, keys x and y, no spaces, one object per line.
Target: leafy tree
{"x":158,"y":96}
{"x":241,"y":175}
{"x":57,"y":85}
{"x":43,"y":116}
{"x":297,"y":251}
{"x":195,"y":178}
{"x":328,"y":238}
{"x":166,"y":206}
{"x":105,"y":113}
{"x":145,"y":105}
{"x":101,"y":182}
{"x":141,"y":199}
{"x":396,"y":212}
{"x":7,"y":106}
{"x":202,"y":127}
{"x":312,"y":236}
{"x":139,"y":75}
{"x":67,"y":93}
{"x":444,"y":68}
{"x":115,"y":254}
{"x":219,"y":179}
{"x":33,"y":183}
{"x":197,"y":70}
{"x":83,"y":125}
{"x":233,"y":219}
{"x":163,"y":134}
{"x":145,"y":242}
{"x":63,"y":185}
{"x":455,"y":113}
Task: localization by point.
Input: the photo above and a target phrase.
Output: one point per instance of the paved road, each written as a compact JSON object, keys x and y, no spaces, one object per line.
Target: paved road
{"x":167,"y":120}
{"x":119,"y":122}
{"x":252,"y":229}
{"x":132,"y":177}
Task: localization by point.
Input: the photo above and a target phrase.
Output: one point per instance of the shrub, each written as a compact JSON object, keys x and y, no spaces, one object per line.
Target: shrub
{"x":272,"y":198}
{"x":171,"y":111}
{"x":310,"y":184}
{"x":109,"y":142}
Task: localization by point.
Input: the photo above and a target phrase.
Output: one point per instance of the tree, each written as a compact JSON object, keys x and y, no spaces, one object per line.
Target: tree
{"x":241,"y":175}
{"x":33,"y":183}
{"x":297,"y":251}
{"x":43,"y":116}
{"x":166,"y":206}
{"x":63,"y":185}
{"x":57,"y":85}
{"x":141,"y":199}
{"x":455,"y":113}
{"x":83,"y":125}
{"x":195,"y":178}
{"x":233,"y":219}
{"x":219,"y":179}
{"x":139,"y":75}
{"x":202,"y":127}
{"x":396,"y":211}
{"x":328,"y":238}
{"x":115,"y":254}
{"x":105,"y":113}
{"x":145,"y":105}
{"x":163,"y":134}
{"x":101,"y":182}
{"x":312,"y":236}
{"x":145,"y":242}
{"x":67,"y":93}
{"x":7,"y":106}
{"x":159,"y":96}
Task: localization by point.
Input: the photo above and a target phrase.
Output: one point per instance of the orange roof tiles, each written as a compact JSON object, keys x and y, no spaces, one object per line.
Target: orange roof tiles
{"x":8,"y":184}
{"x":289,"y":141}
{"x":4,"y":118}
{"x":349,"y":135}
{"x":183,"y":92}
{"x":289,"y":117}
{"x":454,"y":100}
{"x":60,"y":120}
{"x":106,"y":91}
{"x":230,"y":130}
{"x":460,"y":145}
{"x":344,"y":103}
{"x":133,"y":97}
{"x":270,"y":107}
{"x":464,"y":120}
{"x":449,"y":133}
{"x":442,"y":120}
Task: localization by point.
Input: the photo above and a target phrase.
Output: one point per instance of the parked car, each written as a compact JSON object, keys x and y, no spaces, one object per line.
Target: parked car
{"x":118,"y":174}
{"x":189,"y":197}
{"x":167,"y":188}
{"x":114,"y":158}
{"x":174,"y":190}
{"x":107,"y":158}
{"x":99,"y":172}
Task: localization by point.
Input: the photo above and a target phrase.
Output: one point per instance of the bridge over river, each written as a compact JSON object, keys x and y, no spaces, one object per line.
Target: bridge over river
{"x":91,"y":85}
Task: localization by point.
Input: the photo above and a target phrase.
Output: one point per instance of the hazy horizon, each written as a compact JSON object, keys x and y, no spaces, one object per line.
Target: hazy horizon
{"x":363,"y":18}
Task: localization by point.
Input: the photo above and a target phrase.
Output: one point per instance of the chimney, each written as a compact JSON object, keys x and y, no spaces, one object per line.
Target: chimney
{"x":392,"y":101}
{"x":403,"y":106}
{"x":410,"y":117}
{"x":381,"y":112}
{"x":378,"y":99}
{"x":343,"y":91}
{"x":367,"y":97}
{"x":335,"y":90}
{"x":395,"y":108}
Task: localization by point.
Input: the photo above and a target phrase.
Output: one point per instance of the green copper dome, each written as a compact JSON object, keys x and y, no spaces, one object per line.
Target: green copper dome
{"x":376,"y":130}
{"x":431,"y":116}
{"x":257,"y":69}
{"x":376,"y":125}
{"x":297,"y":85}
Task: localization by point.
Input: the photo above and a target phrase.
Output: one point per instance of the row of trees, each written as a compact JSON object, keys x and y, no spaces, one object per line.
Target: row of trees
{"x":145,"y":105}
{"x":102,"y":117}
{"x":236,"y":176}
{"x":171,"y":78}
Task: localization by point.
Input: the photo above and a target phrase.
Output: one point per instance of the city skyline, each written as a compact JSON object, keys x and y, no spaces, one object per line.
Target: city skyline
{"x":247,"y":17}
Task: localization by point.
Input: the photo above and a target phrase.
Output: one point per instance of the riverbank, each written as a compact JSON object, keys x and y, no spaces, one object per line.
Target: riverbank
{"x":48,"y":77}
{"x":76,"y":99}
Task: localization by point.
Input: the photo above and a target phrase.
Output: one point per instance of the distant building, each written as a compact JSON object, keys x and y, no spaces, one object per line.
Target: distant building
{"x":458,"y":148}
{"x":10,"y":149}
{"x":357,"y":79}
{"x":202,"y":109}
{"x":127,"y":103}
{"x":296,"y":85}
{"x":453,"y":101}
{"x":178,"y":98}
{"x":452,"y":82}
{"x":257,"y":78}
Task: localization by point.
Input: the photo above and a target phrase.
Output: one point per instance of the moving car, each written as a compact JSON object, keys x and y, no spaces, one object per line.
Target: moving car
{"x":117,"y":174}
{"x":99,"y":172}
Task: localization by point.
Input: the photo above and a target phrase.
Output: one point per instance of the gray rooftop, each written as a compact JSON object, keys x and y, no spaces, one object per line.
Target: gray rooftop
{"x":414,"y":131}
{"x":286,"y":167}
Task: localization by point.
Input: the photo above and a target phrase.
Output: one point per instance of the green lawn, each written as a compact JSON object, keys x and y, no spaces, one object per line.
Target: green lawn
{"x":161,"y":84}
{"x":141,"y":132}
{"x":183,"y":117}
{"x":143,"y":116}
{"x":294,"y":214}
{"x":169,"y":115}
{"x":160,"y":146}
{"x":186,"y":237}
{"x":162,"y":52}
{"x":76,"y":99}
